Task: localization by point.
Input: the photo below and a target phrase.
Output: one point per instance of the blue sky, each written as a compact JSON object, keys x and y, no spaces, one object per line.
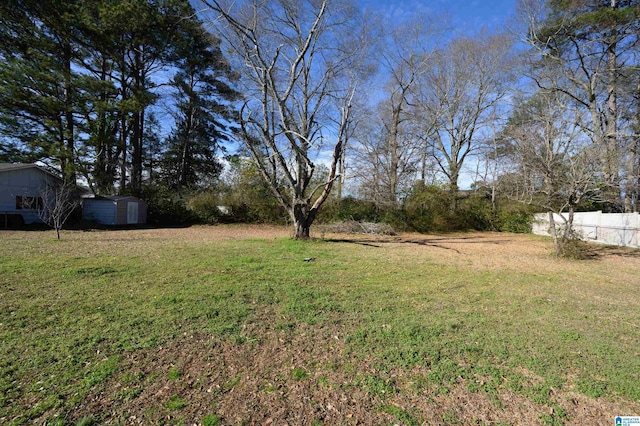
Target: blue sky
{"x":467,"y":16}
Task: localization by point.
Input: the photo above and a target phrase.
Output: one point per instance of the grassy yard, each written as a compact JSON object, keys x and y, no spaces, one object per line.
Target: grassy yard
{"x":241,"y":325}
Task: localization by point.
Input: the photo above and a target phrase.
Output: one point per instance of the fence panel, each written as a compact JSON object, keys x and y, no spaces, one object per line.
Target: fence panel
{"x":621,"y":229}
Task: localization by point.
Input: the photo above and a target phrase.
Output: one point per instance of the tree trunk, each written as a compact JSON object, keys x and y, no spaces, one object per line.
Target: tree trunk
{"x":301,"y":230}
{"x":568,"y":230}
{"x":303,"y":217}
{"x":301,"y":222}
{"x":631,"y":188}
{"x":136,"y":155}
{"x":453,"y":186}
{"x":68,"y":171}
{"x":102,"y":179}
{"x":394,"y":147}
{"x":557,"y":244}
{"x":123,"y":152}
{"x":342,"y":169}
{"x":138,"y":128}
{"x":611,"y":114}
{"x":124,"y":128}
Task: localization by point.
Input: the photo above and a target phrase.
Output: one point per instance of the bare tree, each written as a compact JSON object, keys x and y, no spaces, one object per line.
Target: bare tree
{"x":406,"y":57}
{"x":556,"y":164}
{"x":300,"y":67}
{"x":59,"y":201}
{"x":463,"y":84}
{"x":579,"y":48}
{"x":389,"y":143}
{"x":385,"y":166}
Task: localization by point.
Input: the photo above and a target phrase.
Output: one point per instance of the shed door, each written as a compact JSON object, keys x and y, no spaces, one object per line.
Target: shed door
{"x":132,"y":212}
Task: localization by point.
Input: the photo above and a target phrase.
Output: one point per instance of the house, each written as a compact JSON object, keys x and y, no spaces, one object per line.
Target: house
{"x":21,"y":186}
{"x":115,"y":210}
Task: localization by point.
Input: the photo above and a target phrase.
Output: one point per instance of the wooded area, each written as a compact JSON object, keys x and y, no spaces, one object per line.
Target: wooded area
{"x":278,"y":108}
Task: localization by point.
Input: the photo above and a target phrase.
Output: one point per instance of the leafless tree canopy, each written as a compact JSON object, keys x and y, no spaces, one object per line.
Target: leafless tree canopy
{"x":435,"y":101}
{"x":59,"y":201}
{"x":587,"y":51}
{"x":554,"y":163}
{"x":464,"y":83}
{"x":390,"y":149}
{"x":302,"y":64}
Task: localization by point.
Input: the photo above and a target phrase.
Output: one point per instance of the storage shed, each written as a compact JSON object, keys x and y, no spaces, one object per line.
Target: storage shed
{"x":115,"y":210}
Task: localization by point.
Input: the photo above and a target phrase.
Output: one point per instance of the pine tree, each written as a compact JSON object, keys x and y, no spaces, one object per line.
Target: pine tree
{"x":38,"y":84}
{"x":203,"y":110}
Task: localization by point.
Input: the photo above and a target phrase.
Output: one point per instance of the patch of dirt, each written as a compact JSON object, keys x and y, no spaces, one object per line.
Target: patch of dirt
{"x":298,"y":377}
{"x":498,"y":251}
{"x":277,"y":377}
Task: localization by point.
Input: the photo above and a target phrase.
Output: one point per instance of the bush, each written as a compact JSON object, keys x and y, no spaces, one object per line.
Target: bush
{"x":428,"y":208}
{"x":514,"y":218}
{"x":578,"y":250}
{"x":348,"y":209}
{"x":166,"y":207}
{"x":475,"y":212}
{"x":249,"y":196}
{"x":204,"y":205}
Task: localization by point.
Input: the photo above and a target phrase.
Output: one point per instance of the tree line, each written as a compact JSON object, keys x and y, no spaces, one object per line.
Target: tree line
{"x":113,"y":92}
{"x":321,"y":99}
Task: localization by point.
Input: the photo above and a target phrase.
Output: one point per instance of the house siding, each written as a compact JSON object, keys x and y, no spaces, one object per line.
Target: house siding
{"x":22,"y":182}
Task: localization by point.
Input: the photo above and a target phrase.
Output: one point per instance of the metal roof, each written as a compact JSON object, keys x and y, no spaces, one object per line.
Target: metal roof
{"x":115,"y":198}
{"x":7,"y":167}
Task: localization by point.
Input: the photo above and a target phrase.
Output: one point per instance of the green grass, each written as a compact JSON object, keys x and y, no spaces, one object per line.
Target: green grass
{"x":71,"y":309}
{"x":299,"y":374}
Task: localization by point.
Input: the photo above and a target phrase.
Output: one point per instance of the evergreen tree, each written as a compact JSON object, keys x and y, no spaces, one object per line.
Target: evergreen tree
{"x":79,"y":80}
{"x":38,"y":84}
{"x":202,"y":110}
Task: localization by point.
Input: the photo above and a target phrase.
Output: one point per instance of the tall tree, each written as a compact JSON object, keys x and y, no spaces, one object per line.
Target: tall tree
{"x":464,"y":83}
{"x":589,"y":42}
{"x":38,"y":84}
{"x":78,"y":79}
{"x":298,"y":58}
{"x":555,"y":167}
{"x":390,"y":144}
{"x":146,"y":35}
{"x":203,"y":110}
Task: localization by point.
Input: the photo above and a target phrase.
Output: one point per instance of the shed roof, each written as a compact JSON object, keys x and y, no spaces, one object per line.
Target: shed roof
{"x":115,"y":198}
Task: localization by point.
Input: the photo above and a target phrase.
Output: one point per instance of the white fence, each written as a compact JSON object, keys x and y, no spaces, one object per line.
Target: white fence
{"x":621,"y":229}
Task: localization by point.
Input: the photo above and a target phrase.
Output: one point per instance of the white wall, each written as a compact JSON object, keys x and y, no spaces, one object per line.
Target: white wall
{"x":621,"y":229}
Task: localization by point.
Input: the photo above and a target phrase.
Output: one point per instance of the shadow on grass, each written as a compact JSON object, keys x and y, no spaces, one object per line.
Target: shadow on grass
{"x":427,"y":242}
{"x":597,"y":251}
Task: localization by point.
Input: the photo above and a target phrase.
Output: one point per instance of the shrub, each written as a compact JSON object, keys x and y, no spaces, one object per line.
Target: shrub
{"x":204,"y":205}
{"x":166,"y":207}
{"x":348,"y":208}
{"x":514,"y":218}
{"x":428,"y":208}
{"x":475,"y":212}
{"x":578,"y":250}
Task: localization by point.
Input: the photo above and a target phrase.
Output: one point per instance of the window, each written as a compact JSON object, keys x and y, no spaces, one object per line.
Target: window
{"x":28,"y":203}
